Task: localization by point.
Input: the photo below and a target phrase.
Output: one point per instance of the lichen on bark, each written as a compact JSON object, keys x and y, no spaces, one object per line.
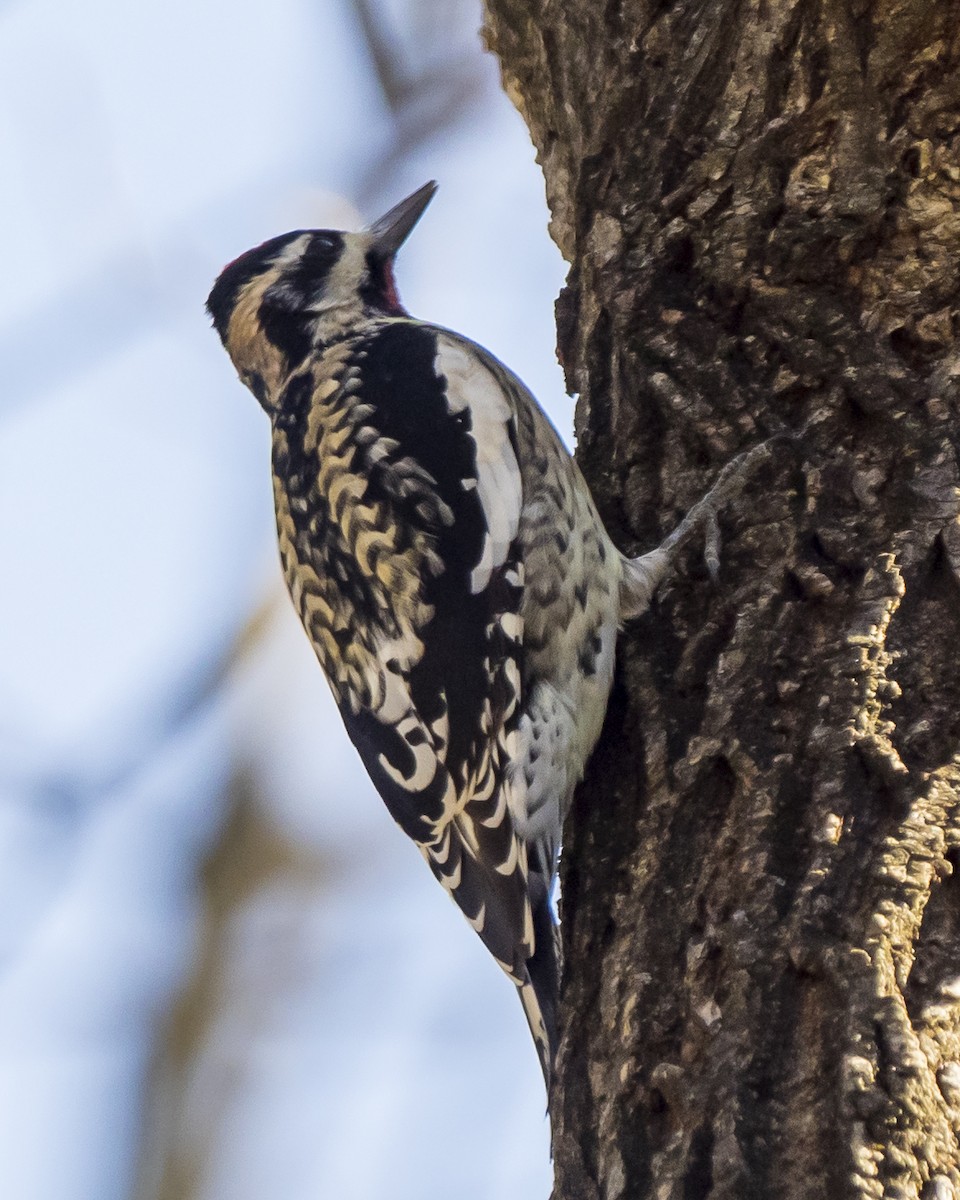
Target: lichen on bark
{"x":760,"y":204}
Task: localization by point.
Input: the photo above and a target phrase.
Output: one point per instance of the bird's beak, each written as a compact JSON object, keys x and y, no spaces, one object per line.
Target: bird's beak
{"x":393,"y":228}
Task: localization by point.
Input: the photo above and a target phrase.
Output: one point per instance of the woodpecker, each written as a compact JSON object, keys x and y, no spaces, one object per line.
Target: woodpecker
{"x":448,"y":564}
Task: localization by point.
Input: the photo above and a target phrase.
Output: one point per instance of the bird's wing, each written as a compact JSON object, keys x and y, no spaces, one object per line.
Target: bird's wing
{"x":438,"y":735}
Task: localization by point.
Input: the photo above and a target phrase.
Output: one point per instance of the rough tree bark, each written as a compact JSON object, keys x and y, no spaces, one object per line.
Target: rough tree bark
{"x":760,"y":203}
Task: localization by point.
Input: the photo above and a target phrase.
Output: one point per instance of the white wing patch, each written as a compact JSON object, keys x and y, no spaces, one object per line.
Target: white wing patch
{"x":471,"y":386}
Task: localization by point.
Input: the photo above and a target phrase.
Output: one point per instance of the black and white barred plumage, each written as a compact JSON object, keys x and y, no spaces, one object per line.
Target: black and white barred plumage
{"x":449,"y":567}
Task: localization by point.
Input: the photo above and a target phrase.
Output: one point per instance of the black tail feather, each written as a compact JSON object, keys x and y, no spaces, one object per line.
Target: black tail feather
{"x":543,"y":971}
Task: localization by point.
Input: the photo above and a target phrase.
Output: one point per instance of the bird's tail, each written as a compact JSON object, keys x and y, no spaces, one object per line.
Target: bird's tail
{"x":540,"y":991}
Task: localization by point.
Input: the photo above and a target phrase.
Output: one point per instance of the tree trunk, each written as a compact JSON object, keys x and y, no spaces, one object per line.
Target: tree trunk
{"x":760,"y":202}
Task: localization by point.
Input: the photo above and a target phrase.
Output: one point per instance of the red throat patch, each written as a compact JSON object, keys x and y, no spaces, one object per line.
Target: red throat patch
{"x":391,"y":299}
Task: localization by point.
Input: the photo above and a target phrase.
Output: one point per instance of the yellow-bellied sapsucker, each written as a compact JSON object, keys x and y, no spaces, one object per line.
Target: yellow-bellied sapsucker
{"x":449,"y":566}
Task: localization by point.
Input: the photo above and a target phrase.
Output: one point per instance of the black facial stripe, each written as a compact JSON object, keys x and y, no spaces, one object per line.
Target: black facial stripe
{"x":297,"y":286}
{"x":284,"y":311}
{"x":304,"y":279}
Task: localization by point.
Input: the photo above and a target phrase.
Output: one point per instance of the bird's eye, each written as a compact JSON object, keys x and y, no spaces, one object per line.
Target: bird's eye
{"x":321,"y":253}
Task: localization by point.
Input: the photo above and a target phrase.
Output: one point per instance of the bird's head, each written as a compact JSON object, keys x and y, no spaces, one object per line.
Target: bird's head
{"x":278,"y":303}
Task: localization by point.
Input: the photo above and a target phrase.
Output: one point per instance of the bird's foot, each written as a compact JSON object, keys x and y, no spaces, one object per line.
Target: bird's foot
{"x":643,"y":575}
